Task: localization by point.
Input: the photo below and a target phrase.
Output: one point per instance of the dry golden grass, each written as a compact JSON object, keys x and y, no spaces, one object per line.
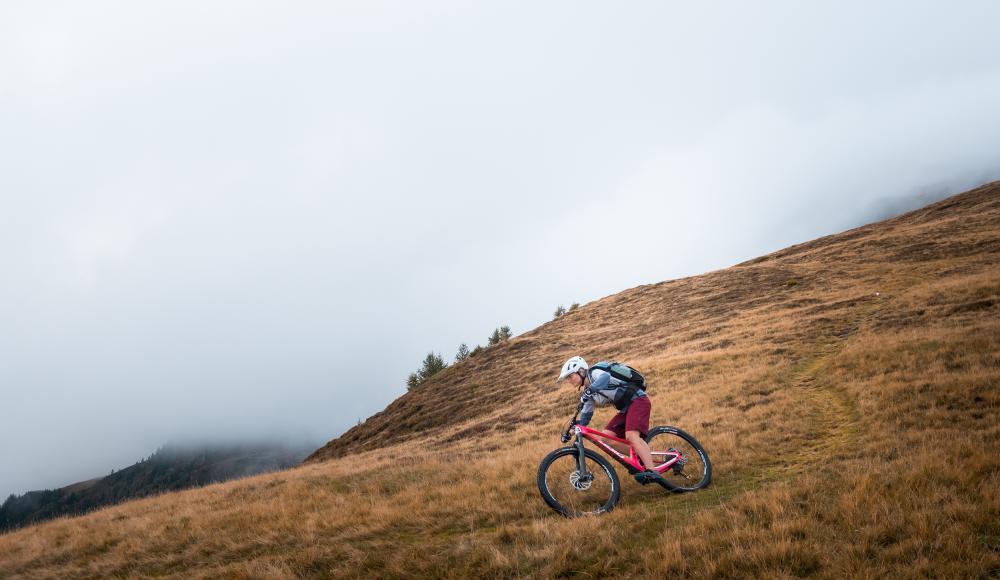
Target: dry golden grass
{"x":852,"y":433}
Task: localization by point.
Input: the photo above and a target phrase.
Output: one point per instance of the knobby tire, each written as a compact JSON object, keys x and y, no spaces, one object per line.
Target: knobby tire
{"x":699,"y":466}
{"x":603,"y":471}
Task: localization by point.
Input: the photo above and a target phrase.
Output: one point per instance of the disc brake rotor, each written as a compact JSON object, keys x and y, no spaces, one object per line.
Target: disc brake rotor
{"x":580,"y":482}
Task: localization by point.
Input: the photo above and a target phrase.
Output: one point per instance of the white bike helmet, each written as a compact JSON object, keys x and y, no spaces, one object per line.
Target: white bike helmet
{"x":572,"y":365}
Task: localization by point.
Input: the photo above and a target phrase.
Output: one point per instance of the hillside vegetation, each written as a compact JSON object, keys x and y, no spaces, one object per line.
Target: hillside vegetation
{"x":846,"y":389}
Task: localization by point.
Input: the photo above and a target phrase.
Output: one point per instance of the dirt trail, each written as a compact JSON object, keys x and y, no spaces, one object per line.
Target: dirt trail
{"x":832,"y":410}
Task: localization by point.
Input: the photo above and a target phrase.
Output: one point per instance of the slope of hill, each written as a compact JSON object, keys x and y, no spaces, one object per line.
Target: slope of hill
{"x":171,"y":468}
{"x":845,"y":388}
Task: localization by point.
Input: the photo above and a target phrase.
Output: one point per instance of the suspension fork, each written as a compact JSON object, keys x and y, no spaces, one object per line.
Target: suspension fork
{"x":581,"y":465}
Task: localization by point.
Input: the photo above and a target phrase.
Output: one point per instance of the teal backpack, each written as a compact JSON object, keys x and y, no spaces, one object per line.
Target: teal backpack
{"x":632,"y":378}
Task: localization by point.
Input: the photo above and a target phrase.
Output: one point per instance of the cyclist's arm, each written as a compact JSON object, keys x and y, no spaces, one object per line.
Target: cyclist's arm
{"x":587,"y":399}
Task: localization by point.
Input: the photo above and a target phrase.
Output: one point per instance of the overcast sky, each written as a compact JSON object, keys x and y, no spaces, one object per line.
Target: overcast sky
{"x":223,"y":219}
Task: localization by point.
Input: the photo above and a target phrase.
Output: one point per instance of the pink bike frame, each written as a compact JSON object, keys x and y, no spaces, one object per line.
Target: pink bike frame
{"x":632,"y":462}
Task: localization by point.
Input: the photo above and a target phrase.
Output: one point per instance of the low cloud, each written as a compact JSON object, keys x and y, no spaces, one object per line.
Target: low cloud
{"x":252,"y":221}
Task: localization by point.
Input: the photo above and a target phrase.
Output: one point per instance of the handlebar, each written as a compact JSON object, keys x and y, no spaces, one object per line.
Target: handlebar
{"x":572,"y":423}
{"x":566,"y":436}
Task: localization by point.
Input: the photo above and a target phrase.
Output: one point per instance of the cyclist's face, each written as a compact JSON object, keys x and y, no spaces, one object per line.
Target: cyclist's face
{"x":575,"y":379}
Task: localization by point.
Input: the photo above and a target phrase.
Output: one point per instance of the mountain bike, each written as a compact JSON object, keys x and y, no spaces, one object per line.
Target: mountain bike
{"x":578,"y":481}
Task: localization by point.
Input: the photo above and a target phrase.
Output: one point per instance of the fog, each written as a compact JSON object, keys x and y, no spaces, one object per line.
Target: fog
{"x":245,"y":219}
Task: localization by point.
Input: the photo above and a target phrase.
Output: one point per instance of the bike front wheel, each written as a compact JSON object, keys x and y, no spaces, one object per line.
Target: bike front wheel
{"x":573,"y":492}
{"x":693,"y":472}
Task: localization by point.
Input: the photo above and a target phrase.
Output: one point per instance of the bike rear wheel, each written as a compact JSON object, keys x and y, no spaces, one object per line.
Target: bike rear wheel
{"x":571,"y":493}
{"x":694,"y":472}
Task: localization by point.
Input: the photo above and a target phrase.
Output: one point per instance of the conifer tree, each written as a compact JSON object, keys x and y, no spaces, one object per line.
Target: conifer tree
{"x":432,"y":365}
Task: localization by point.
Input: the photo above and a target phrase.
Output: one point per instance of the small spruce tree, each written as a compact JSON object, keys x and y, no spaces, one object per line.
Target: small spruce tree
{"x":432,"y":365}
{"x":463,"y":353}
{"x":559,"y":312}
{"x":500,"y":335}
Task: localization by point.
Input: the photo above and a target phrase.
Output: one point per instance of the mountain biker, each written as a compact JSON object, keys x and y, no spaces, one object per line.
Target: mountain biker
{"x":631,"y":423}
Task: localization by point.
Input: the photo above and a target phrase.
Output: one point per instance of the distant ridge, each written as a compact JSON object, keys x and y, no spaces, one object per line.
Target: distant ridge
{"x":170,"y":468}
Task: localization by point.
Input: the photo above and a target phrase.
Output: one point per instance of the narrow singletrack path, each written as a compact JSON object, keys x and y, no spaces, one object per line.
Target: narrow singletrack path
{"x":832,"y":411}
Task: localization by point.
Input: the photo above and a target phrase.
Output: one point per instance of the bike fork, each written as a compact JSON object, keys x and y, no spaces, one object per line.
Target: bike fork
{"x":581,"y":465}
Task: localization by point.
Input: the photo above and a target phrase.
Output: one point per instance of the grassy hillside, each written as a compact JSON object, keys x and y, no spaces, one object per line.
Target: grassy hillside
{"x":845,"y":388}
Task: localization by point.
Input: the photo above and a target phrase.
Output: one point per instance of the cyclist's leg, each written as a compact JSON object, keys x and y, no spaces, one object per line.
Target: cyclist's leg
{"x":637,"y":423}
{"x":641,"y":448}
{"x":616,"y":427}
{"x":621,"y":447}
